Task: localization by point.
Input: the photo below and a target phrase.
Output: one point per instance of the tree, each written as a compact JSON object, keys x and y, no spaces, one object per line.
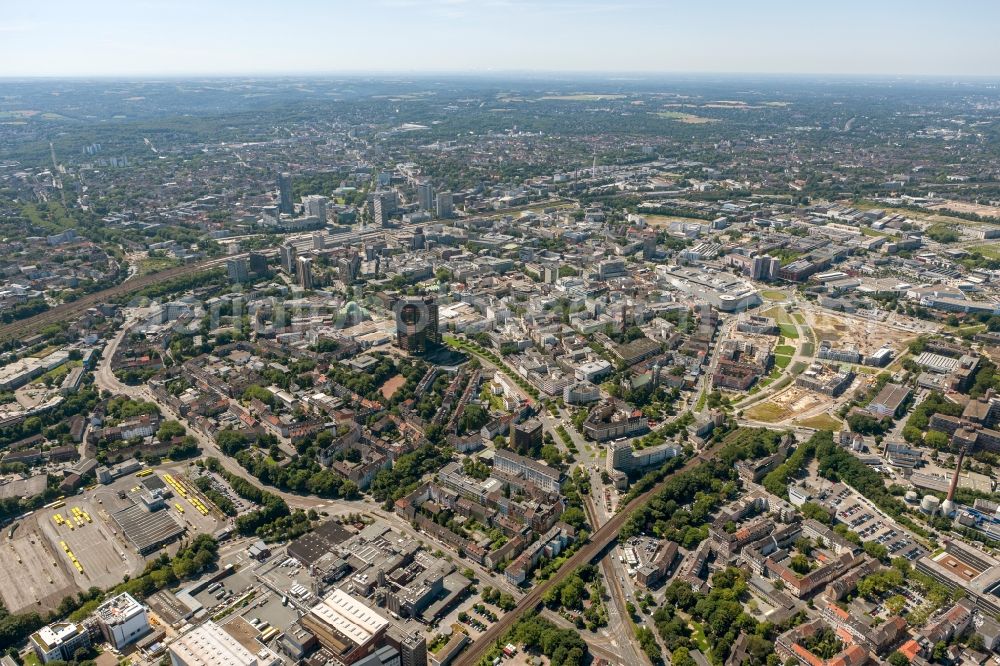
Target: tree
{"x":682,"y":657}
{"x":895,"y":603}
{"x":800,"y":564}
{"x":897,"y":658}
{"x":876,"y":550}
{"x":937,"y":440}
{"x":168,"y":430}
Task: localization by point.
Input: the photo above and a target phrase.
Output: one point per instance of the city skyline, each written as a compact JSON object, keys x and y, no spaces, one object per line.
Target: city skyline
{"x":154,"y":38}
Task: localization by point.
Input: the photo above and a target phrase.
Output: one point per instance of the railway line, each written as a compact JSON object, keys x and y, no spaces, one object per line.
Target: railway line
{"x":64,"y":311}
{"x":605,"y":535}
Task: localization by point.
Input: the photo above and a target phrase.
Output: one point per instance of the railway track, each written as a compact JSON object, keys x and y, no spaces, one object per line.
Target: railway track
{"x":599,"y":541}
{"x":29,"y":326}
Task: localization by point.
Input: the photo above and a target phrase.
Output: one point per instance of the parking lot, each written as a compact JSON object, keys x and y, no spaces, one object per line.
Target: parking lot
{"x":36,"y":571}
{"x":104,"y":557}
{"x":868,"y":524}
{"x":33,"y":575}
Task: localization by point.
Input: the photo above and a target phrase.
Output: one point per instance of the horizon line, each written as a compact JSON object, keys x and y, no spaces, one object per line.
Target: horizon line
{"x":491,"y":74}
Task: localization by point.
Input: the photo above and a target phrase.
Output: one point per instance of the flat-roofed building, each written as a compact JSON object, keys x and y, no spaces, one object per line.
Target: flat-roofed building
{"x":59,"y":640}
{"x":208,"y":644}
{"x":345,"y":626}
{"x":123,"y":620}
{"x":889,"y":400}
{"x":541,"y":475}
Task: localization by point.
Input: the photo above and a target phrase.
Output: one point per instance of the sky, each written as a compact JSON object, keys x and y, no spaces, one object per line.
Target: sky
{"x":257,"y":37}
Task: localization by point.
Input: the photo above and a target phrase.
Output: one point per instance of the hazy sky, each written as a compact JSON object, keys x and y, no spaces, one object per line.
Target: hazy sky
{"x":138,"y":37}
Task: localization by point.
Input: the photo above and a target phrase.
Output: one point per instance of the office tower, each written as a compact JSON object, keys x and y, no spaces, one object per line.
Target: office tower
{"x":258,"y":263}
{"x":425,"y":196}
{"x":285,"y":193}
{"x":526,"y":436}
{"x":649,"y":247}
{"x":412,"y":649}
{"x":417,"y":325}
{"x":237,"y":269}
{"x":287,"y":253}
{"x":349,"y":267}
{"x":418,"y":241}
{"x":380,"y":211}
{"x":550,"y":273}
{"x":123,"y":620}
{"x":315,"y":206}
{"x":305,"y":272}
{"x":319,"y":240}
{"x":444,"y":204}
{"x":765,"y":267}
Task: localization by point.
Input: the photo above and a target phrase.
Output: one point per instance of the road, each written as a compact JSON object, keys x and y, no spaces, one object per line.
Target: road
{"x":603,"y":537}
{"x":105,"y":379}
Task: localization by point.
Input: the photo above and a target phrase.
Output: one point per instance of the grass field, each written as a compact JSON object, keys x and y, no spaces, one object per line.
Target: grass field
{"x":799,"y":317}
{"x":582,"y":97}
{"x":688,"y":118}
{"x":782,"y":361}
{"x":822,"y":422}
{"x":991,"y":251}
{"x":778,"y":314}
{"x":772,"y":295}
{"x":768,"y":412}
{"x":156,"y":264}
{"x":784,"y":350}
{"x":789,"y":331}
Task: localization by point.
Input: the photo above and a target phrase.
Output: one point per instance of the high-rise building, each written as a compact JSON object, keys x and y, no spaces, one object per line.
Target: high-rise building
{"x":378,"y":212}
{"x":417,"y":325}
{"x":649,"y":247}
{"x":765,"y":267}
{"x":285,"y":193}
{"x":315,"y":206}
{"x":237,"y":270}
{"x":425,"y":196}
{"x":305,"y":272}
{"x":349,"y":267}
{"x":258,"y":263}
{"x":287,"y":254}
{"x":412,"y":646}
{"x":123,"y":620}
{"x":383,"y":205}
{"x":445,"y":204}
{"x":526,"y":436}
{"x":419,"y":240}
{"x":319,"y":240}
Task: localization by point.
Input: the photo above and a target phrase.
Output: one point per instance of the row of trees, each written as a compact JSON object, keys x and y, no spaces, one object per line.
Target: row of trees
{"x":271,"y":508}
{"x":704,"y":487}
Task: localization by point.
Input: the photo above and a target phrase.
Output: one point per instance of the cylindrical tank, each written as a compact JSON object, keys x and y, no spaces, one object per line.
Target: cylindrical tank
{"x":912,"y":497}
{"x":930,"y":504}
